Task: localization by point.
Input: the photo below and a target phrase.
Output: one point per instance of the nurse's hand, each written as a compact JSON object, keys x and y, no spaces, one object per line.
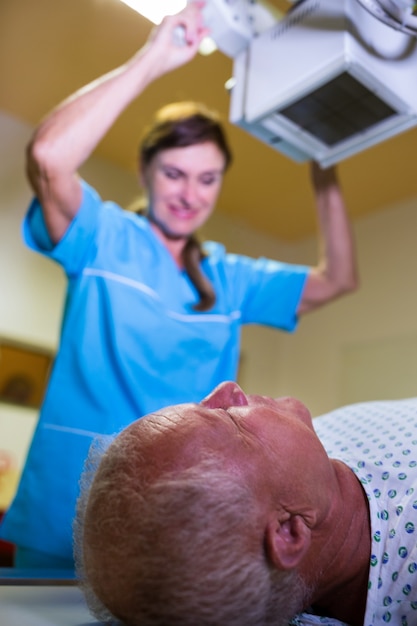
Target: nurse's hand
{"x":177,"y":39}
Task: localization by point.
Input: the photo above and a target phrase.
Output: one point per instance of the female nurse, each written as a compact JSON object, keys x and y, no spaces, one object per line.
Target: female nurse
{"x":152,"y":317}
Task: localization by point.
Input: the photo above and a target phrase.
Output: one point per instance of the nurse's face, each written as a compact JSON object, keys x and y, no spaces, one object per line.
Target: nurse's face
{"x":183,"y":185}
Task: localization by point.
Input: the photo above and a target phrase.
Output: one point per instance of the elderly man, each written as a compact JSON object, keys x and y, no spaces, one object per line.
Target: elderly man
{"x":238,"y":511}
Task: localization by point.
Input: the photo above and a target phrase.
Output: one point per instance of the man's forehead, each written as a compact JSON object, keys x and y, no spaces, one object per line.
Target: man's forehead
{"x":171,"y":420}
{"x":187,"y":429}
{"x":174,"y":414}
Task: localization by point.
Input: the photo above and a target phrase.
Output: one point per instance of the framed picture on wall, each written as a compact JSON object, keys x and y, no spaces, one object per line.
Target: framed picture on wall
{"x":24,"y":373}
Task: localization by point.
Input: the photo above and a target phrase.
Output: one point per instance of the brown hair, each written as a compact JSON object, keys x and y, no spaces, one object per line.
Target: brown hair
{"x":179,"y":125}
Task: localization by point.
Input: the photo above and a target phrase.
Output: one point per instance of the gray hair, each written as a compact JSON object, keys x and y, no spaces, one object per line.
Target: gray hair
{"x":185,"y":549}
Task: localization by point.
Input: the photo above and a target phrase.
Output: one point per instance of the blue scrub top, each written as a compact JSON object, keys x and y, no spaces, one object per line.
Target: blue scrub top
{"x":130,"y":344}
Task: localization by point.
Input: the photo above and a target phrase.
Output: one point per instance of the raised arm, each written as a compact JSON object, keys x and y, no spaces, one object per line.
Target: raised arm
{"x":68,"y":135}
{"x":336,"y":272}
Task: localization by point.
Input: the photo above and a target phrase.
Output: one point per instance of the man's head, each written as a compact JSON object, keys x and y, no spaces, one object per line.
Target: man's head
{"x":202,"y":514}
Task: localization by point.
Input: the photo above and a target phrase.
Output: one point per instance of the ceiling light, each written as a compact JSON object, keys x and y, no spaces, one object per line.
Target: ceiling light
{"x":207,"y":46}
{"x":156,"y":11}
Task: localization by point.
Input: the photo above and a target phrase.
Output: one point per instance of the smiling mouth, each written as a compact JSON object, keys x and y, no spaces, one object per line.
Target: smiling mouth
{"x":185,"y":212}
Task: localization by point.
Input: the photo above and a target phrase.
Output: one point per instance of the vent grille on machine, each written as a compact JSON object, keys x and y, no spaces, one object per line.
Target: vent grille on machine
{"x":338,"y":110}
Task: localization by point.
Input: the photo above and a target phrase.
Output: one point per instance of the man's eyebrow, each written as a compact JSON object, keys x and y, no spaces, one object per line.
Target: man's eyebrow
{"x":237,"y":420}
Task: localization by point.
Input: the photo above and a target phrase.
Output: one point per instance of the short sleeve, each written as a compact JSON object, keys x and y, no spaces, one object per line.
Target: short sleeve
{"x":73,"y":248}
{"x":264,"y":291}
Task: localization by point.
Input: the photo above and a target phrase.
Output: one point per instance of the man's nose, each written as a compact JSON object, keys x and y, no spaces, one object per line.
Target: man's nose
{"x":224,"y":396}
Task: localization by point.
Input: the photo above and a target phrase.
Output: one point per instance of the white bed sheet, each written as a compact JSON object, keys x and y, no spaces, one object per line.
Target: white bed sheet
{"x":43,"y":605}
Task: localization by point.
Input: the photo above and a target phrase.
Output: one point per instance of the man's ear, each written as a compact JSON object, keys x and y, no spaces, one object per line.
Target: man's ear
{"x":287,"y":541}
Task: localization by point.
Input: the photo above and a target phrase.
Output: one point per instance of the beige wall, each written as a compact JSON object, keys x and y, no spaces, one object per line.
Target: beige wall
{"x":372,"y":326}
{"x":371,"y":334}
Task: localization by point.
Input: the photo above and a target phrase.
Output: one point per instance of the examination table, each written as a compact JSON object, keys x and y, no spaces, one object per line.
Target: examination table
{"x":41,"y":599}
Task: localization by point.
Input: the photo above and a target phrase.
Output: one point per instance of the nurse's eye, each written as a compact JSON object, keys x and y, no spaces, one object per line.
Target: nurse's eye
{"x":210,"y":179}
{"x":172,"y":173}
